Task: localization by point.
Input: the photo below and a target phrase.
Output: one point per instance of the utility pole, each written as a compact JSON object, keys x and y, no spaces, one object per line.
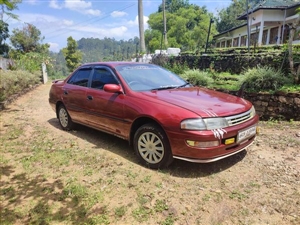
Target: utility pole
{"x":165,"y":24}
{"x":248,"y":27}
{"x":141,"y":25}
{"x":210,"y":22}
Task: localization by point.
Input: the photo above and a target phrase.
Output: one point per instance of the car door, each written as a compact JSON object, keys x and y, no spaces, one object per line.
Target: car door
{"x":74,"y":94}
{"x":105,"y":109}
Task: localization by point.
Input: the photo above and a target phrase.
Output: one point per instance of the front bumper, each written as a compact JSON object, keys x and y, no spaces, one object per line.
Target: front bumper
{"x":181,"y":150}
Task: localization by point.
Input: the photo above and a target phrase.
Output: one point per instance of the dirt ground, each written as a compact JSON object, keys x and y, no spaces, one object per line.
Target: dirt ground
{"x":49,"y":176}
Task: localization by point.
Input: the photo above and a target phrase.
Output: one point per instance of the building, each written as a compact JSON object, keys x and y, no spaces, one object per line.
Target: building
{"x":269,"y":22}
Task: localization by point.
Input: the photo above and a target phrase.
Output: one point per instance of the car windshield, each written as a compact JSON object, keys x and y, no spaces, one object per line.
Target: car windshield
{"x":146,"y":77}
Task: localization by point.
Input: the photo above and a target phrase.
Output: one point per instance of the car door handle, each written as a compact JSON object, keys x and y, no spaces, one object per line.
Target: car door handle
{"x":66,"y":92}
{"x":89,"y":97}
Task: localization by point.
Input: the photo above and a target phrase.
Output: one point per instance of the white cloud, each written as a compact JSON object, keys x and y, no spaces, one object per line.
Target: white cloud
{"x":81,"y":6}
{"x":77,"y":5}
{"x":118,"y":14}
{"x":54,"y":47}
{"x":68,"y":22}
{"x":92,"y":12}
{"x":53,"y":4}
{"x":136,"y":22}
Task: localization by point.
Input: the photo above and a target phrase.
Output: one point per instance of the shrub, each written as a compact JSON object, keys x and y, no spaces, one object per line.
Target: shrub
{"x":198,"y":77}
{"x":264,"y":79}
{"x":13,"y":82}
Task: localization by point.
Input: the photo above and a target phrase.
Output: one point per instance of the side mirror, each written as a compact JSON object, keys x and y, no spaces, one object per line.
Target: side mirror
{"x":113,"y":88}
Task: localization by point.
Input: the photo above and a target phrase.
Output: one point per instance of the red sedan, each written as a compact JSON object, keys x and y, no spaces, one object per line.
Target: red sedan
{"x":161,"y":115}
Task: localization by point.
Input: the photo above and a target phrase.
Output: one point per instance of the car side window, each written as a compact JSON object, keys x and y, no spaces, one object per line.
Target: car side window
{"x":81,"y":77}
{"x":101,"y":77}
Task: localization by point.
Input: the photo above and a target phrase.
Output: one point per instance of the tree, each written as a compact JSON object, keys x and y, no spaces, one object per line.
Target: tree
{"x":295,"y":72}
{"x":7,"y":6}
{"x":173,"y":5}
{"x":227,"y":17}
{"x":72,"y":55}
{"x":141,"y":25}
{"x":27,"y":39}
{"x":4,"y":34}
{"x":187,"y":28}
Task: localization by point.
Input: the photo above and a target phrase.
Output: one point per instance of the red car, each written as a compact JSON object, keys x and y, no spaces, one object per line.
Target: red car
{"x":161,"y":115}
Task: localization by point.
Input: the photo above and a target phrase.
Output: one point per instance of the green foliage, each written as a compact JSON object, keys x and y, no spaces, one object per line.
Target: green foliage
{"x":290,"y":88}
{"x":30,"y":61}
{"x":59,"y":69}
{"x":173,"y":5}
{"x":175,"y":67}
{"x":29,"y":52}
{"x":227,"y":16}
{"x":198,"y":77}
{"x":107,"y":49}
{"x":4,"y":34}
{"x":264,"y":79}
{"x":7,"y":7}
{"x":187,"y":27}
{"x":13,"y":82}
{"x":28,"y":39}
{"x":73,"y":56}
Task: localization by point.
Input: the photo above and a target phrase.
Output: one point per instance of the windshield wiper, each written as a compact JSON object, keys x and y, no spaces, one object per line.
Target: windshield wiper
{"x":164,"y":88}
{"x":181,"y":86}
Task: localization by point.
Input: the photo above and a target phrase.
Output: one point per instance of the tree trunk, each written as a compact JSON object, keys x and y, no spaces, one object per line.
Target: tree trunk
{"x":141,"y":25}
{"x":294,"y":71}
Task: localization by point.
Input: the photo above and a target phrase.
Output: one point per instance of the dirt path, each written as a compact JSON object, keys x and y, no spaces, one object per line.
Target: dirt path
{"x":49,"y":176}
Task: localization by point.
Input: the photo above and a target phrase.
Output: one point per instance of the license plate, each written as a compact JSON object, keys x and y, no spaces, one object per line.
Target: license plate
{"x":245,"y":134}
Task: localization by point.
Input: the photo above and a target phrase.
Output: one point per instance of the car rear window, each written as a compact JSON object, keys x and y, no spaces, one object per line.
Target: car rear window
{"x":81,"y":77}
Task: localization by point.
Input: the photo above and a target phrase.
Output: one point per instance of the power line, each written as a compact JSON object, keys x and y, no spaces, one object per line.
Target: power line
{"x":86,"y":21}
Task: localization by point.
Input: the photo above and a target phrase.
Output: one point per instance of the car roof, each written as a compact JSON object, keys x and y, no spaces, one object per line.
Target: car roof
{"x":112,"y":63}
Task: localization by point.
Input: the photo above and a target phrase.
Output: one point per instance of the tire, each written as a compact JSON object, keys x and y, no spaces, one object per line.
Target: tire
{"x":152,"y":147}
{"x":64,"y":118}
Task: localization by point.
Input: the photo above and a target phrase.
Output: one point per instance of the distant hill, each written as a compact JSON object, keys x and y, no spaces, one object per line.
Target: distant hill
{"x":95,"y":50}
{"x":107,"y":49}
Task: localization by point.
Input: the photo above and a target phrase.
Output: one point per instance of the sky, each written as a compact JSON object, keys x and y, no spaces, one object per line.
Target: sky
{"x":59,"y":19}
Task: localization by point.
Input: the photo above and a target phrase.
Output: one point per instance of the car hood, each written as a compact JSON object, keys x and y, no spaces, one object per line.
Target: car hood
{"x":202,"y":101}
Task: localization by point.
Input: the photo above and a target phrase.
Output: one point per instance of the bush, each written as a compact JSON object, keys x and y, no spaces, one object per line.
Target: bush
{"x":264,"y":79}
{"x":13,"y":82}
{"x":197,"y":77}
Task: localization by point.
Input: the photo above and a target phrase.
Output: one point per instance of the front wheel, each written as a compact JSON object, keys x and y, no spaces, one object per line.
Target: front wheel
{"x":64,"y":118}
{"x":152,"y":146}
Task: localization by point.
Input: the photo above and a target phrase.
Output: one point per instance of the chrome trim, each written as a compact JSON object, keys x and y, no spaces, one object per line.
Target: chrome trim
{"x":240,"y":118}
{"x":211,"y":160}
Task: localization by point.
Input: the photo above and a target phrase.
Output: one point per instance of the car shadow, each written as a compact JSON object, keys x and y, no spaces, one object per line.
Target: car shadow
{"x":121,"y":147}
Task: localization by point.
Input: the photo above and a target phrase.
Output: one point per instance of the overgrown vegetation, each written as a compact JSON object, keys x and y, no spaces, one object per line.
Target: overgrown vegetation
{"x":264,"y":79}
{"x":197,"y":77}
{"x":13,"y":82}
{"x":259,"y":79}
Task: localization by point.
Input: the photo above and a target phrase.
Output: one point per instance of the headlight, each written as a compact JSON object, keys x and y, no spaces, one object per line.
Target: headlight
{"x":204,"y":124}
{"x":252,"y":112}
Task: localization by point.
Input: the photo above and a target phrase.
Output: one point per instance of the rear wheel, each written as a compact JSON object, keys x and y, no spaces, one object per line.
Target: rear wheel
{"x":64,"y":118}
{"x":152,"y":146}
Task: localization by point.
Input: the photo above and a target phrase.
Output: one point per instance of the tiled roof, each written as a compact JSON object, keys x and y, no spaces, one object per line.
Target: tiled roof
{"x":270,"y":4}
{"x":275,"y":3}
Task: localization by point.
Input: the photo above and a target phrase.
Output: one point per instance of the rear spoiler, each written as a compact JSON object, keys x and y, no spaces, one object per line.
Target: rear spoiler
{"x":56,"y":81}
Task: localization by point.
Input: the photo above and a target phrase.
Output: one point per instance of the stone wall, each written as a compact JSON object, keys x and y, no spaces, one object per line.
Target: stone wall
{"x":278,"y":106}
